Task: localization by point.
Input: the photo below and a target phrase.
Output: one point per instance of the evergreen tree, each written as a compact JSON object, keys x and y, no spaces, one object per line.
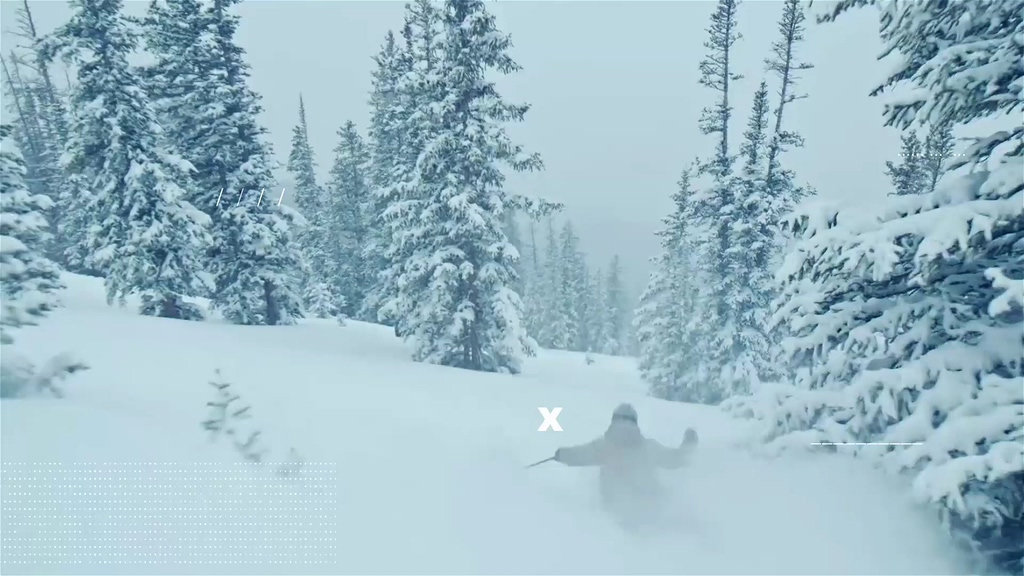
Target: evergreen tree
{"x":538,"y":278}
{"x":255,"y":259}
{"x":667,"y":323}
{"x":614,"y":311}
{"x":511,"y":229}
{"x":555,"y":327}
{"x":385,"y":113}
{"x":350,"y":207}
{"x":583,"y":302}
{"x":598,"y":317}
{"x":456,"y":285}
{"x":632,"y":340}
{"x":782,"y":193}
{"x":318,"y":292}
{"x":145,"y":236}
{"x":569,"y":289}
{"x":302,"y":165}
{"x":918,"y":345}
{"x":712,"y":239}
{"x":734,"y":235}
{"x":28,"y":280}
{"x":753,"y":151}
{"x":40,"y":129}
{"x":923,"y":162}
{"x":938,"y":149}
{"x":398,"y":203}
{"x":534,"y":286}
{"x":178,"y":37}
{"x":909,"y":176}
{"x":28,"y":132}
{"x":717,"y":73}
{"x":752,"y":241}
{"x":770,"y":198}
{"x":385,"y":140}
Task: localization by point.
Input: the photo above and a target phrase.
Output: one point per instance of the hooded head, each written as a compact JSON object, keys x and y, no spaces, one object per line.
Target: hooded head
{"x":623,"y":430}
{"x":624,"y":412}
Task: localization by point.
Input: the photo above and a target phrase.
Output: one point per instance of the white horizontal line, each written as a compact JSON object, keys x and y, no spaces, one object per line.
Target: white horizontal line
{"x":867,"y":443}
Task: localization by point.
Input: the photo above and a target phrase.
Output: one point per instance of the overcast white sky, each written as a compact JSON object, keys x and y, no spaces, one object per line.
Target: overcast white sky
{"x":614,"y":91}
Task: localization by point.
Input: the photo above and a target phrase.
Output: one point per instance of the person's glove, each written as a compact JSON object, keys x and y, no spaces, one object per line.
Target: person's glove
{"x":558,"y":455}
{"x":689,"y":438}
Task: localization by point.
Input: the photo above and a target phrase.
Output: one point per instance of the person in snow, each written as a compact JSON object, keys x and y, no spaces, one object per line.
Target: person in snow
{"x":628,"y":464}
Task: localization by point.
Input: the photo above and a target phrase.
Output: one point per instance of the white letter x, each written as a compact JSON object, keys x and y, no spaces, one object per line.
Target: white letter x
{"x":550,"y":419}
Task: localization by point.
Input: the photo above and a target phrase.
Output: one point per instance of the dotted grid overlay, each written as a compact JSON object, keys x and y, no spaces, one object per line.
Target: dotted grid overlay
{"x":164,"y":517}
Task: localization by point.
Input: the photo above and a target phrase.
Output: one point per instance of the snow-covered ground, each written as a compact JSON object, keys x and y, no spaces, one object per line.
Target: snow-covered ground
{"x":410,"y":468}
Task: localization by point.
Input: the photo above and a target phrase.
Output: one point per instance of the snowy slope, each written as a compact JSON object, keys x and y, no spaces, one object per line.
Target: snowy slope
{"x":409,"y":468}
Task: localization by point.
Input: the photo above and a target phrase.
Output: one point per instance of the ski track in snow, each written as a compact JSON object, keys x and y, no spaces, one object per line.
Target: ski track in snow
{"x":416,"y":468}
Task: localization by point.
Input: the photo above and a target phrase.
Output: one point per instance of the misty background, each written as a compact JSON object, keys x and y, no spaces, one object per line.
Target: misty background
{"x":614,"y":94}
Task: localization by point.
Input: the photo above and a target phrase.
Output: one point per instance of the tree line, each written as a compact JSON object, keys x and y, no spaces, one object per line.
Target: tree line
{"x":413,"y":229}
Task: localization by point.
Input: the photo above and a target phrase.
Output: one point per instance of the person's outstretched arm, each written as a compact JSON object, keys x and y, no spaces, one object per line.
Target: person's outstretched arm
{"x":589,"y":454}
{"x":672,"y":458}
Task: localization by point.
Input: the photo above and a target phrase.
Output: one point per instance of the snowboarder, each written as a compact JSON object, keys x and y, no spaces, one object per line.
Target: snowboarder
{"x":628,"y":466}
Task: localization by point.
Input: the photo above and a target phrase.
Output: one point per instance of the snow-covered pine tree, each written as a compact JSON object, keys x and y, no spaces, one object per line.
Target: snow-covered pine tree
{"x":570,"y":285}
{"x":908,"y":176}
{"x":715,"y":215}
{"x":757,"y":216}
{"x":41,"y":132}
{"x":598,"y":316}
{"x":456,"y":286}
{"x":200,"y":74}
{"x":398,"y":203}
{"x":555,"y":326}
{"x":586,"y":306}
{"x":28,"y":280}
{"x":717,"y":72}
{"x":385,"y":138}
{"x":39,"y":128}
{"x":922,"y":162}
{"x":535,"y":285}
{"x":776,"y":192}
{"x":350,"y":208}
{"x":905,"y":322}
{"x":318,"y":283}
{"x":537,"y":278}
{"x":28,"y":130}
{"x":632,"y":338}
{"x":53,"y":119}
{"x":739,"y":241}
{"x":302,"y":165}
{"x":255,"y":259}
{"x":938,"y":149}
{"x":614,"y":311}
{"x":785,"y":63}
{"x":178,"y":38}
{"x":666,"y":323}
{"x":511,"y":228}
{"x":752,"y":244}
{"x":145,"y":235}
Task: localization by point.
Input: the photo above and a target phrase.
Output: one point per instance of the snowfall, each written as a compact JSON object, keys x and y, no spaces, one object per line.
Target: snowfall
{"x":405,"y":468}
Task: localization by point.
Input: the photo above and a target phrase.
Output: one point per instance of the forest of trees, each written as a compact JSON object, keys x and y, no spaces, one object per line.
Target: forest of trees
{"x":703,"y":320}
{"x":894,"y":326}
{"x":893,"y":329}
{"x":154,"y":179}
